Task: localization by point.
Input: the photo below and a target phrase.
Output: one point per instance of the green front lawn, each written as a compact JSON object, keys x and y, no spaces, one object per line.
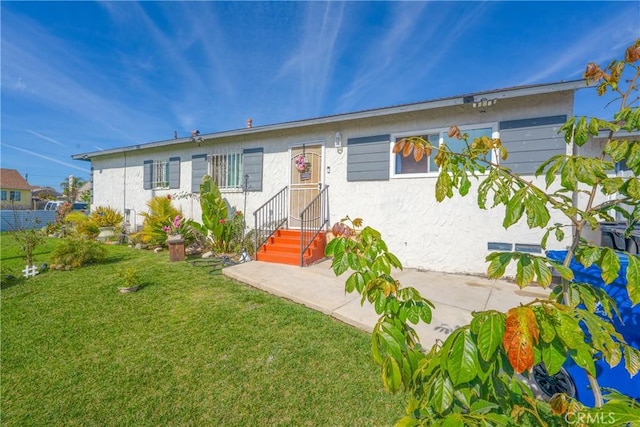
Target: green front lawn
{"x":187,"y":349}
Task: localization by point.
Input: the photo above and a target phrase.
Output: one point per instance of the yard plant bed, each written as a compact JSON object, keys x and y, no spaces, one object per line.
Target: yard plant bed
{"x":188,"y":348}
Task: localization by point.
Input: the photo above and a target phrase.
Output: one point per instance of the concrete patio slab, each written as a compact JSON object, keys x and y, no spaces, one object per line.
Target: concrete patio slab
{"x":455,"y":296}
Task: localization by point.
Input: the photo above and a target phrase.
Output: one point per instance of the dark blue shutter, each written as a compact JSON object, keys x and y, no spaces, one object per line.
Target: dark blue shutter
{"x":252,"y":166}
{"x":174,"y":172}
{"x":368,"y":158}
{"x":199,"y":168}
{"x":146,"y":174}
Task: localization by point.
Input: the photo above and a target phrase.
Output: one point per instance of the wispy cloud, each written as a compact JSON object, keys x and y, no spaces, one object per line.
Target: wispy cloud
{"x":312,"y":62}
{"x":398,"y":57}
{"x":51,"y":159}
{"x":620,"y":28}
{"x":64,"y":80}
{"x":46,"y":138}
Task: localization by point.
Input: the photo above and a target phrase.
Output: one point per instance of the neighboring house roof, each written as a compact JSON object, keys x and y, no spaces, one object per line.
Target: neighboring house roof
{"x":513,"y":92}
{"x":11,"y":178}
{"x":41,"y":192}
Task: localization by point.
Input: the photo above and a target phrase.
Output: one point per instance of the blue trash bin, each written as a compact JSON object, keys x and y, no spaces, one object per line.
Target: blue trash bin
{"x":628,"y":325}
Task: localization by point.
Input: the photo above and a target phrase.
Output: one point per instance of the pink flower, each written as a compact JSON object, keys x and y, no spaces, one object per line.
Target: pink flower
{"x":222,"y":221}
{"x":169,"y":196}
{"x":166,"y":229}
{"x":176,"y":221}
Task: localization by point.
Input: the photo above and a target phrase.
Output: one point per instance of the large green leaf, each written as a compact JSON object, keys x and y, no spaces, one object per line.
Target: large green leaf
{"x":568,"y":175}
{"x":543,"y":272}
{"x":617,"y":149}
{"x":631,"y":359}
{"x":568,"y":329}
{"x":633,"y":279}
{"x":617,"y":413}
{"x":610,"y":265}
{"x":391,"y":377}
{"x":407,"y":421}
{"x":490,"y":331}
{"x":553,"y":355}
{"x":545,"y":323}
{"x":462,"y":359}
{"x":441,"y":392}
{"x":524,"y":271}
{"x":583,"y":358}
{"x":581,"y":132}
{"x":611,"y":185}
{"x":633,"y":158}
{"x":443,"y":186}
{"x":498,"y":264}
{"x":515,"y":208}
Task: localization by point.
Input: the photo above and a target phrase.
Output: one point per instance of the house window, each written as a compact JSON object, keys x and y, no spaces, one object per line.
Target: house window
{"x":3,"y":195}
{"x":160,"y":174}
{"x":226,"y":170}
{"x":15,"y":196}
{"x":408,"y":165}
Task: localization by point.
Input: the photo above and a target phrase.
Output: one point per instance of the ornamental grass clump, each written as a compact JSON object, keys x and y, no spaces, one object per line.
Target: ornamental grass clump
{"x":75,"y":252}
{"x":106,"y":216}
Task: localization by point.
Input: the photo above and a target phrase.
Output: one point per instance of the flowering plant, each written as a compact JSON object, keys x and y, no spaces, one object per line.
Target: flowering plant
{"x":175,"y":226}
{"x":301,"y":163}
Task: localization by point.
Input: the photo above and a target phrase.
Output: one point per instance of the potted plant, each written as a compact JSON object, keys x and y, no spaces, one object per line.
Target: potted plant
{"x":108,"y":219}
{"x":130,"y":279}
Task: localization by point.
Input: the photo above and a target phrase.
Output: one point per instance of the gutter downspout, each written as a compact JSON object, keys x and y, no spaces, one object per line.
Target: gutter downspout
{"x":124,"y":184}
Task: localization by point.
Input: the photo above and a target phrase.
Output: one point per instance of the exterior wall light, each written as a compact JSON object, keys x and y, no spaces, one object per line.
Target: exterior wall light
{"x":338,"y":142}
{"x":484,"y":103}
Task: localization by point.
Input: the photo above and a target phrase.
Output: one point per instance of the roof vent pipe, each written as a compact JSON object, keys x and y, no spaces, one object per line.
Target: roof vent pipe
{"x":249,"y":123}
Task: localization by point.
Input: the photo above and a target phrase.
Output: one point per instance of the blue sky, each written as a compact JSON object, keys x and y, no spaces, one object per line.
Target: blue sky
{"x":84,"y":76}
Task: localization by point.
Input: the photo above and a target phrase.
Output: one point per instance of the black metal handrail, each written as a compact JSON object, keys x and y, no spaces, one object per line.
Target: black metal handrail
{"x":313,"y":219}
{"x":269,"y":217}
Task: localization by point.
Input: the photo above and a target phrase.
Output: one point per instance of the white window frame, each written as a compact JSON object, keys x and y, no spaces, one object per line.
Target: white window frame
{"x":226,"y":169}
{"x":441,"y":132}
{"x":392,"y":161}
{"x":160,"y":175}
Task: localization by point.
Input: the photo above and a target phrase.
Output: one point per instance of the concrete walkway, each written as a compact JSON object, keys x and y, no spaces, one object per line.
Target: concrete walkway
{"x":455,"y":296}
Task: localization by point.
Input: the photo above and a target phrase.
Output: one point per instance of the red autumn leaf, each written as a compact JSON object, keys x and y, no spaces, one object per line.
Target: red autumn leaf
{"x":418,"y":153}
{"x":408,"y":148}
{"x":454,"y":132}
{"x":398,"y":146}
{"x":519,"y":338}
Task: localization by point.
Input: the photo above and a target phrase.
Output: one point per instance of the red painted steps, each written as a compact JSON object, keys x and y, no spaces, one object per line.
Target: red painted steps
{"x":284,"y":248}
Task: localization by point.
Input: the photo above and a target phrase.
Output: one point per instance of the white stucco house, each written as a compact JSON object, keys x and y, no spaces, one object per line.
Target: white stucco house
{"x":351,"y":154}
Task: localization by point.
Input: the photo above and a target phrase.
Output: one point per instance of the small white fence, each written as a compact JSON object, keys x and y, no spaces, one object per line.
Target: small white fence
{"x":11,"y":220}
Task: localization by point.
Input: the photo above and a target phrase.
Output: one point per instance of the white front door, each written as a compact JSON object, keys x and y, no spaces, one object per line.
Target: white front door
{"x":305,"y":180}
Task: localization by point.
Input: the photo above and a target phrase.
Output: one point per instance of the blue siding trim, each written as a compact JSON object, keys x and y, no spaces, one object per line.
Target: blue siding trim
{"x":252,"y":159}
{"x":147,"y":167}
{"x":537,"y":121}
{"x":368,"y":158}
{"x":368,"y":139}
{"x":174,"y":172}
{"x":199,"y":168}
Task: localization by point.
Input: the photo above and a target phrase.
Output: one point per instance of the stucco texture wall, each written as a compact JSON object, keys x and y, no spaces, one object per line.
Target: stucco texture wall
{"x":451,"y":236}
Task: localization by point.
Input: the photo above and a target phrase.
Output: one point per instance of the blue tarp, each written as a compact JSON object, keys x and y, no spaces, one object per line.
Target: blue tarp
{"x":628,"y":324}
